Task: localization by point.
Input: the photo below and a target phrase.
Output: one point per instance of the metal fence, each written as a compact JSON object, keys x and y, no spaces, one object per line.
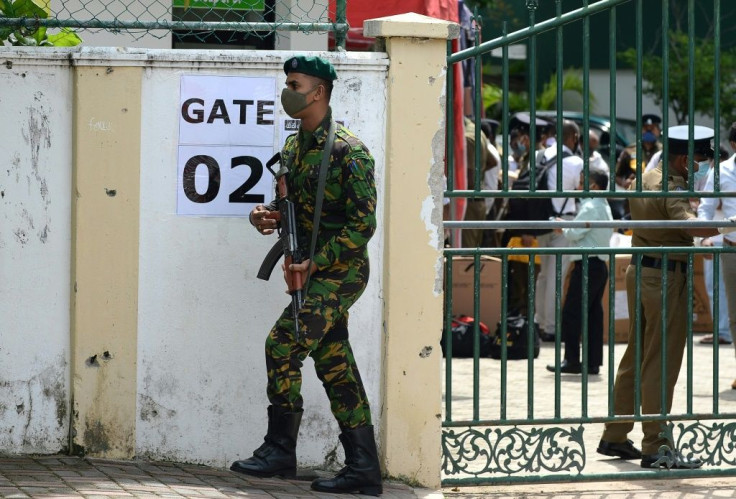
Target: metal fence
{"x":212,"y":21}
{"x":512,"y":421}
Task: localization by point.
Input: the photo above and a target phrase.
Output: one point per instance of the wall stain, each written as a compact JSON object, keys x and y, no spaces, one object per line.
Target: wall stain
{"x":152,"y":410}
{"x":26,"y":407}
{"x":21,"y":236}
{"x":426,"y":352}
{"x":354,"y":84}
{"x":36,"y":133}
{"x":44,"y":235}
{"x":96,"y":438}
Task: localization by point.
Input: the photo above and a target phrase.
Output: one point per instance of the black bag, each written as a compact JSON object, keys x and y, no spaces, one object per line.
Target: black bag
{"x":516,"y":339}
{"x":462,"y":338}
{"x":535,"y":208}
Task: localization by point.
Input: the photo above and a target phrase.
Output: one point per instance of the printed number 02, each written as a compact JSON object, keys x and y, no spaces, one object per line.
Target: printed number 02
{"x":239,"y":195}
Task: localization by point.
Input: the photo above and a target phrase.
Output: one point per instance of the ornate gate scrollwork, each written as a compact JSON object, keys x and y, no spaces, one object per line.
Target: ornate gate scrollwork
{"x":478,"y":450}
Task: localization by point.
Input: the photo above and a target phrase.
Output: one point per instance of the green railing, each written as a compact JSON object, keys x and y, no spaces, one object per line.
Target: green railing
{"x":510,"y":421}
{"x":212,"y":21}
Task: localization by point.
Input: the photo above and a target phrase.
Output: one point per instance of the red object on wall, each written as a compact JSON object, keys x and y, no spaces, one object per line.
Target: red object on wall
{"x":360,"y":10}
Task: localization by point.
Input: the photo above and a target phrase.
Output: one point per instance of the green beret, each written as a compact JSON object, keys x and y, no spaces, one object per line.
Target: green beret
{"x":311,"y":65}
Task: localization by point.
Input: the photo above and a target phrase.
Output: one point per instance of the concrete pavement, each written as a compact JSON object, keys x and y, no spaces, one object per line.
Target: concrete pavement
{"x":73,"y":477}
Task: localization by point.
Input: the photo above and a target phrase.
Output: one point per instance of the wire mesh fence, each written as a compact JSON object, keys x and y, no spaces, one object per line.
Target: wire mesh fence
{"x":203,"y":21}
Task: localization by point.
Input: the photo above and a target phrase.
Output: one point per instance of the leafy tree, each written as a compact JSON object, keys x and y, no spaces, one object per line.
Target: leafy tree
{"x":32,"y":37}
{"x":679,"y":67}
{"x":497,"y":11}
{"x":572,"y":81}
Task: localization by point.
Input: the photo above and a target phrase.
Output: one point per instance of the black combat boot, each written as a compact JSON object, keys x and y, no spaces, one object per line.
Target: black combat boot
{"x":362,"y":473}
{"x":277,"y":455}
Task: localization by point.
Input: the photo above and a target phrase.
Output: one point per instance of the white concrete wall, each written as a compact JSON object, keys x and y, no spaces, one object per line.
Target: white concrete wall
{"x":203,"y":315}
{"x":35,"y":221}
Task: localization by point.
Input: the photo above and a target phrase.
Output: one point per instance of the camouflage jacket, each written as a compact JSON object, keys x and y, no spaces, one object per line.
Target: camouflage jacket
{"x":348,"y":218}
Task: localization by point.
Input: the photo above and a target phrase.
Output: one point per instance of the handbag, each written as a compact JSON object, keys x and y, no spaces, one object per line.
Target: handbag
{"x":462,"y":338}
{"x":517,"y":333}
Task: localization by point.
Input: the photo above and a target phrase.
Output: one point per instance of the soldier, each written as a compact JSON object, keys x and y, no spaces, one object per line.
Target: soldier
{"x":614,"y":440}
{"x":339,"y":274}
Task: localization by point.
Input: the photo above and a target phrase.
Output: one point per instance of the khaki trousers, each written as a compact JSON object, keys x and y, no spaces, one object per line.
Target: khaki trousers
{"x":476,"y":210}
{"x":651,"y":354}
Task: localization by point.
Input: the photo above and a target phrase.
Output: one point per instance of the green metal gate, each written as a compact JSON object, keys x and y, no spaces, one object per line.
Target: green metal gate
{"x":511,"y":420}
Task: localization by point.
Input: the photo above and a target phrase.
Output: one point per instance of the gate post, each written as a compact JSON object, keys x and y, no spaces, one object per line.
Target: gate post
{"x":412,"y":289}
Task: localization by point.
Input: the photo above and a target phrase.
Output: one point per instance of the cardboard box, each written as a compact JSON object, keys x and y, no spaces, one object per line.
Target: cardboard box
{"x":489,"y":286}
{"x":702,"y":318}
{"x":621,"y":305}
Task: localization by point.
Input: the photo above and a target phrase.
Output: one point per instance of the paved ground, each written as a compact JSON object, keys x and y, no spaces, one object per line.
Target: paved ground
{"x":570,"y":396}
{"x":71,"y":477}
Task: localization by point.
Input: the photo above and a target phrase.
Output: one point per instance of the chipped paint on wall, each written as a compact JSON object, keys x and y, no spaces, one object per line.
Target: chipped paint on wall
{"x":29,"y":406}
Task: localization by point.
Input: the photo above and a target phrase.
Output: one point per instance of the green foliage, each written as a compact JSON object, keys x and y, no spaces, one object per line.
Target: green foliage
{"x":572,"y":81}
{"x":32,"y":37}
{"x":704,"y":77}
{"x":495,"y":12}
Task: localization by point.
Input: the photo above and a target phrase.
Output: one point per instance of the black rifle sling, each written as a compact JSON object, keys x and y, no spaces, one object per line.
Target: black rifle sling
{"x":326,"y":153}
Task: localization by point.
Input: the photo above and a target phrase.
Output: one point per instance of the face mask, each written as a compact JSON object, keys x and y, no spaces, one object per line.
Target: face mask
{"x":294,"y":102}
{"x":703,"y":167}
{"x":520,"y":148}
{"x":648,"y":137}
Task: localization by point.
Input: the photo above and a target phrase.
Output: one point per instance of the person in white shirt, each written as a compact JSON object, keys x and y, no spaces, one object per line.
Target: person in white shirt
{"x":595,"y":160}
{"x":565,"y":208}
{"x":707,"y":211}
{"x":572,"y":311}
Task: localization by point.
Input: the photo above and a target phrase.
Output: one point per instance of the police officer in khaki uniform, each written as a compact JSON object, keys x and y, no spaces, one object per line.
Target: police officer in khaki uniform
{"x":614,"y":441}
{"x":650,"y":139}
{"x":476,"y":208}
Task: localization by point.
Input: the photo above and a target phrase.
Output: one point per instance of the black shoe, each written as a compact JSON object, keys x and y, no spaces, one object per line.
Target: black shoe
{"x":277,"y":455}
{"x":362,"y":473}
{"x":568,"y":368}
{"x":650,"y":461}
{"x":623,"y":450}
{"x":544,"y":336}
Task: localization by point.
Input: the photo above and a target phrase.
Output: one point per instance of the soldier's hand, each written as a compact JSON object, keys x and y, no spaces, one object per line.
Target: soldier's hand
{"x":303,"y":267}
{"x":262,"y":220}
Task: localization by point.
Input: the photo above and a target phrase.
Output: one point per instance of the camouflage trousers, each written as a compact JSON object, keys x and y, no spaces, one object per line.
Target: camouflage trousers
{"x":323,"y":336}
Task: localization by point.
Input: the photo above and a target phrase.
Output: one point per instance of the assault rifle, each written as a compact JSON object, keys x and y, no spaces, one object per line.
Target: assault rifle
{"x":287,"y":245}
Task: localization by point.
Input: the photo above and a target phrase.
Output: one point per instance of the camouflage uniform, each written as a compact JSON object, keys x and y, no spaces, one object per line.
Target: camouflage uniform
{"x":347,"y":223}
